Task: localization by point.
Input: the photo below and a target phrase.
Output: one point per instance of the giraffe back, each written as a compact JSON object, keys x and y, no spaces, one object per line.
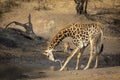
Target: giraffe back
{"x":81,"y":33}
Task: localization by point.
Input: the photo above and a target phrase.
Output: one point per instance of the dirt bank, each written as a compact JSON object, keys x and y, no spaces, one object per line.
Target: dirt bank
{"x":21,"y":57}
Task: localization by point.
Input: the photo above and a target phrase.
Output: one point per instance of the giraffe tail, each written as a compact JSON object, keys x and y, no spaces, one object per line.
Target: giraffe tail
{"x":100,"y":42}
{"x":101,"y":49}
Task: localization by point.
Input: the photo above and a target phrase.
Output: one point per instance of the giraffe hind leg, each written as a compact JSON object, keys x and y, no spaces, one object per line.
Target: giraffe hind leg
{"x":92,"y":51}
{"x":98,"y":51}
{"x":89,"y":61}
{"x":96,"y":62}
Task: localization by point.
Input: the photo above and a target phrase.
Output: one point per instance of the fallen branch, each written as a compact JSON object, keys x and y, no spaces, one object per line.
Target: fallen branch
{"x":28,"y":27}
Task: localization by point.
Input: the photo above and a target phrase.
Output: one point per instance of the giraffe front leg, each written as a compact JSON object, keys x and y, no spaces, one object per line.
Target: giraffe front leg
{"x":78,"y":60}
{"x":96,"y":62}
{"x":69,"y":58}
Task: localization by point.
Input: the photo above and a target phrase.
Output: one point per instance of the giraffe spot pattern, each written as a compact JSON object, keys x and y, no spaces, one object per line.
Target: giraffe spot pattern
{"x":79,"y":32}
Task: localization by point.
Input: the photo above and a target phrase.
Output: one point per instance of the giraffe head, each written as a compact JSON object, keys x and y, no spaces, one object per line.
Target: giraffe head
{"x":49,"y":54}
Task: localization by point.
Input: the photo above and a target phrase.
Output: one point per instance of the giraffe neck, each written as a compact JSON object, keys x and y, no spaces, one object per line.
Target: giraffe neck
{"x":58,"y":38}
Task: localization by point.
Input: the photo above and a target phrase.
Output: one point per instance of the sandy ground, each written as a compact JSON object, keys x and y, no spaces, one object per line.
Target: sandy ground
{"x":112,"y":73}
{"x":21,"y":57}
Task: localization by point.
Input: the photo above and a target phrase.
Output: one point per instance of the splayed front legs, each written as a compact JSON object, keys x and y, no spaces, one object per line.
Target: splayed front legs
{"x":69,"y":58}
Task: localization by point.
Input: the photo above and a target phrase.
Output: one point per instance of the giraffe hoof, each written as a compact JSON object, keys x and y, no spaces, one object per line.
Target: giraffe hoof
{"x":60,"y":69}
{"x":76,"y":68}
{"x":85,"y":68}
{"x":95,"y":67}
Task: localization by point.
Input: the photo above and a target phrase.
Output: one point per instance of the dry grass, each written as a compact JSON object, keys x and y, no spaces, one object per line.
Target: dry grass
{"x":46,"y":22}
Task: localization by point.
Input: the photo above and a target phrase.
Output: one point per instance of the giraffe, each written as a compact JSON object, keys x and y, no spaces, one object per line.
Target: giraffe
{"x":82,"y":35}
